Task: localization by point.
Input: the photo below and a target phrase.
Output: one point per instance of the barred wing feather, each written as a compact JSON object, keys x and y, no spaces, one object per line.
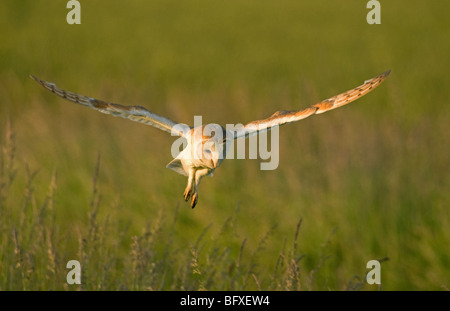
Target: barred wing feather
{"x":134,"y":113}
{"x":283,"y":117}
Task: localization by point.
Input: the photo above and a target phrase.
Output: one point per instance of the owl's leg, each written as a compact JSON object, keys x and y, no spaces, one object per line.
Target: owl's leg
{"x":198,"y":177}
{"x":190,"y":188}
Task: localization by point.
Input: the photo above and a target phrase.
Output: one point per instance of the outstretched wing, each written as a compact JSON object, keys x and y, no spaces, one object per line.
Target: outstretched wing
{"x":134,"y":113}
{"x":283,"y":117}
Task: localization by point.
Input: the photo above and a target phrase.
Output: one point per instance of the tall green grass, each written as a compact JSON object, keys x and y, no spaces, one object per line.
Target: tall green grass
{"x":369,"y":181}
{"x":35,"y":247}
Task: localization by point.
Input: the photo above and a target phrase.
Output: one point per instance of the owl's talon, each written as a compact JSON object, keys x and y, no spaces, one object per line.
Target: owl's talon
{"x":187,"y":194}
{"x":194,"y":200}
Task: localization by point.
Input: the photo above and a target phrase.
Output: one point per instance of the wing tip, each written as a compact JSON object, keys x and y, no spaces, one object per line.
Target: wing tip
{"x":42,"y":82}
{"x":380,"y":78}
{"x":34,"y":77}
{"x":385,"y":74}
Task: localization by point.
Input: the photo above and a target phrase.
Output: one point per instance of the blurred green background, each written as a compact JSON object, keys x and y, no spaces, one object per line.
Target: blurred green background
{"x":369,"y":180}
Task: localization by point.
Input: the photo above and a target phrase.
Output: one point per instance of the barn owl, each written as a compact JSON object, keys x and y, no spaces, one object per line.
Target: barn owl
{"x":205,"y":151}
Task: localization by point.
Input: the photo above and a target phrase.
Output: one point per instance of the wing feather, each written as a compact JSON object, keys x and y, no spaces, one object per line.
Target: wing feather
{"x":134,"y":113}
{"x":283,"y":117}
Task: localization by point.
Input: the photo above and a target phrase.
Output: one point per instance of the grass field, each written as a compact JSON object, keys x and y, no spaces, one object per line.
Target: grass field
{"x":367,"y":181}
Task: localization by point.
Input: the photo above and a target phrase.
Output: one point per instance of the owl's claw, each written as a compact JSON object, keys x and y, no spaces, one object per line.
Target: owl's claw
{"x":187,"y":194}
{"x":194,"y":200}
